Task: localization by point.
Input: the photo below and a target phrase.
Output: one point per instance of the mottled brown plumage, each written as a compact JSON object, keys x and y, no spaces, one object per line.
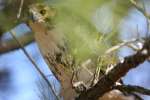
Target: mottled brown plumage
{"x":52,"y":47}
{"x":51,"y":40}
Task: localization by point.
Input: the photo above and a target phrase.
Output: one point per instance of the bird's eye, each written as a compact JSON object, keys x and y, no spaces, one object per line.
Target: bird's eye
{"x":43,"y":11}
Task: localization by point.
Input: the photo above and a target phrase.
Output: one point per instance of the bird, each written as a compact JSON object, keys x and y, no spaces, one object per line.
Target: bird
{"x":52,"y":45}
{"x":45,"y":34}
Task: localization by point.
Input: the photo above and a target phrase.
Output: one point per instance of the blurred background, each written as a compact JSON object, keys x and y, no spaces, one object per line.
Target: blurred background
{"x":18,"y":78}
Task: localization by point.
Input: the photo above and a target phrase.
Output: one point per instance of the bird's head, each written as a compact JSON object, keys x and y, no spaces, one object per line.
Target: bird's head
{"x":41,"y":12}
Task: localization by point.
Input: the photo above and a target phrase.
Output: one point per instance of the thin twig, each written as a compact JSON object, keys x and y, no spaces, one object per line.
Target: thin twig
{"x":143,"y":11}
{"x":140,"y":9}
{"x":33,"y":62}
{"x":137,"y":97}
{"x":10,"y":44}
{"x":125,"y":43}
{"x":132,"y":88}
{"x":137,"y":32}
{"x":147,"y":22}
{"x":147,"y":27}
{"x":20,"y":9}
{"x":126,"y":93}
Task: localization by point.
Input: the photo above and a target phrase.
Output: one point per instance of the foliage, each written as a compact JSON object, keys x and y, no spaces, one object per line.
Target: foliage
{"x":74,"y":19}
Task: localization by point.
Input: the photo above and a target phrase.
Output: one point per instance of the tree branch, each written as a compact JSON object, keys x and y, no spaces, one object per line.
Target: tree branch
{"x":20,"y":9}
{"x":34,"y":64}
{"x":9,"y":45}
{"x":142,"y":10}
{"x":107,"y":81}
{"x":132,"y":88}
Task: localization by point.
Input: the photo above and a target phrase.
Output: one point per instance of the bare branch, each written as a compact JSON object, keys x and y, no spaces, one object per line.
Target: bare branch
{"x":20,"y":9}
{"x":125,"y":43}
{"x":142,"y":10}
{"x":33,"y":62}
{"x":132,"y":88}
{"x":9,"y":45}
